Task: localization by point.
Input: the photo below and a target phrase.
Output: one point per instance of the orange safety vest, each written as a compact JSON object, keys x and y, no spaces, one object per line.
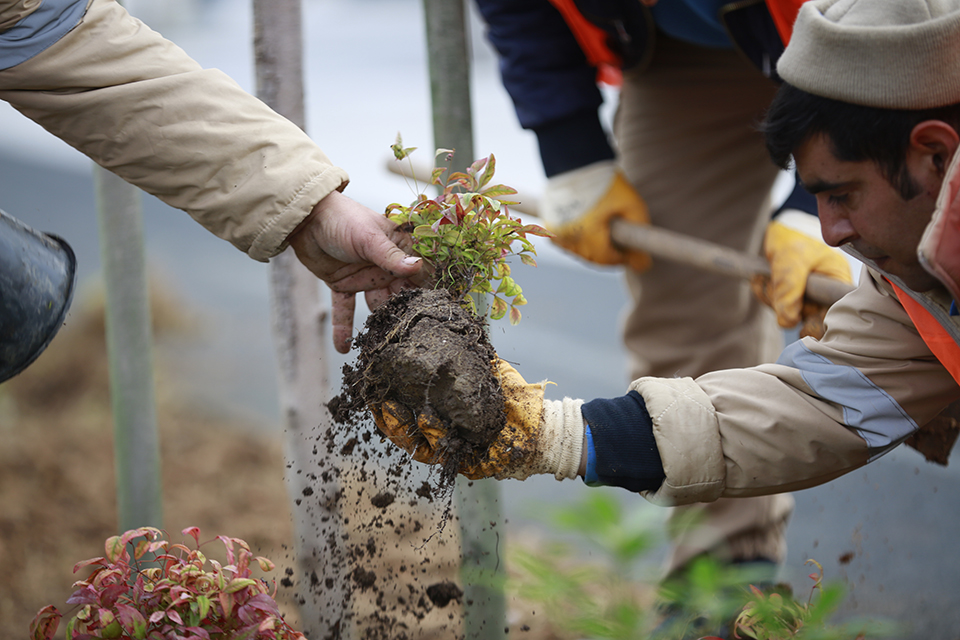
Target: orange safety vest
{"x":784,"y":14}
{"x":943,"y":346}
{"x":593,"y":40}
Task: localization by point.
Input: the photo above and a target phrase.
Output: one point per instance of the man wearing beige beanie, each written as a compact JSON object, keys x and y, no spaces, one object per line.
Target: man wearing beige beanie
{"x":873,"y":88}
{"x":870,"y":113}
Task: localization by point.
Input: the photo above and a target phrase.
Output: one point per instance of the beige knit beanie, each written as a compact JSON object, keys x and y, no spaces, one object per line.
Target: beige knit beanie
{"x":893,"y":54}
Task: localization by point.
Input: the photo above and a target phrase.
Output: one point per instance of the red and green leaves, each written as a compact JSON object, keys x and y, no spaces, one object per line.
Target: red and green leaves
{"x":166,"y":589}
{"x":45,"y":623}
{"x":467,"y":234}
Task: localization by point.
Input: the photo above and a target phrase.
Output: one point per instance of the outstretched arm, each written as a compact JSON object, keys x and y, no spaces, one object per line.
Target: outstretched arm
{"x":824,"y":409}
{"x":138,"y":105}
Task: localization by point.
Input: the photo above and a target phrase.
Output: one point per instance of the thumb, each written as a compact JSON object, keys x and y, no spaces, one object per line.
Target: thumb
{"x":391,"y":258}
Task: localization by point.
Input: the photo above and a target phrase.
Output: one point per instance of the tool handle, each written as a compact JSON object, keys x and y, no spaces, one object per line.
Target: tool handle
{"x":670,"y":245}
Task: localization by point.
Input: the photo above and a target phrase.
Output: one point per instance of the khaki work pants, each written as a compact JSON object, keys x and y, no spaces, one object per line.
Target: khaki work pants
{"x":686,"y":134}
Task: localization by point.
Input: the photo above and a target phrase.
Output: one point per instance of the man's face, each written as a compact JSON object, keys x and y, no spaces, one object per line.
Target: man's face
{"x":857,"y":205}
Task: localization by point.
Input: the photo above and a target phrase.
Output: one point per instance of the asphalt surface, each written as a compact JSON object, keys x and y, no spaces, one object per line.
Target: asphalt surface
{"x":887,"y":531}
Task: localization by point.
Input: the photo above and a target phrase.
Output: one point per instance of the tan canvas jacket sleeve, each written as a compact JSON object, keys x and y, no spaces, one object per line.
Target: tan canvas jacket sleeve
{"x":823,"y":410}
{"x":141,"y":107}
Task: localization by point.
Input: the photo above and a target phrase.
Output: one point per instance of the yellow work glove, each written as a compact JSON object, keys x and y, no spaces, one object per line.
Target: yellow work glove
{"x":578,"y":206}
{"x":793,"y":256}
{"x":540,"y":436}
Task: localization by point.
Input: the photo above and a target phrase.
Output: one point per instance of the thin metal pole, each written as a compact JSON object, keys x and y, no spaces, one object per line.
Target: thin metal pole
{"x":129,"y":352}
{"x":478,"y":501}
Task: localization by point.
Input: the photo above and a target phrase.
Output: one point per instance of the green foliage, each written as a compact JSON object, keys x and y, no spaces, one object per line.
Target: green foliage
{"x":597,"y":601}
{"x":466,"y":234}
{"x":623,"y":537}
{"x":605,"y":602}
{"x":584,"y":601}
{"x":707,"y":595}
{"x":772,"y":616}
{"x":164,"y":591}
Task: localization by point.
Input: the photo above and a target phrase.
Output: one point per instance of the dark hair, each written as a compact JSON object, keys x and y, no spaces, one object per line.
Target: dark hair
{"x":856,"y":133}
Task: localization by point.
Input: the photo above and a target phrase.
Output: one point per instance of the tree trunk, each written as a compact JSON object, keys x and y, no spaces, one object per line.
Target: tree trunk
{"x":129,"y":352}
{"x":300,"y":341}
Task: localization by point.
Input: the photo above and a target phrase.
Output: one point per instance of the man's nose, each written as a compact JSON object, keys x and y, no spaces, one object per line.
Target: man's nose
{"x":836,"y":229}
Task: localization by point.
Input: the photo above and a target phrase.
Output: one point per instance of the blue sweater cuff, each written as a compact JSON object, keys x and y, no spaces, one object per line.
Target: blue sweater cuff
{"x":621,"y":448}
{"x":590,"y":477}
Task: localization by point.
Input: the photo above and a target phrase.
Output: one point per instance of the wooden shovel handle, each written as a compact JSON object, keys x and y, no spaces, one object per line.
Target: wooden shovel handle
{"x":670,"y":245}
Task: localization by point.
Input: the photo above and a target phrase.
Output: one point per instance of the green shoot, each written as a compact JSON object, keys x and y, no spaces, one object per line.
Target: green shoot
{"x":466,"y":234}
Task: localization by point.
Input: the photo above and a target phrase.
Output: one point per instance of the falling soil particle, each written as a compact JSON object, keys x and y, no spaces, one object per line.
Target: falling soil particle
{"x":348,"y":448}
{"x":364,"y":578}
{"x":382,"y":500}
{"x":442,"y":593}
{"x":425,"y":491}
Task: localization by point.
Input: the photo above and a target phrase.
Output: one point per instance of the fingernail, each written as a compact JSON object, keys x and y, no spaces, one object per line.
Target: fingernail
{"x":411,"y":260}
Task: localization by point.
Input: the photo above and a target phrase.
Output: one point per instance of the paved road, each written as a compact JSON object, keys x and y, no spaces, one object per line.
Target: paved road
{"x":897,"y":517}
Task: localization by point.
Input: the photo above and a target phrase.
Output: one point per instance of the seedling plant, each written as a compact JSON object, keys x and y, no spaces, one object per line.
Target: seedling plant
{"x":427,"y":350}
{"x":466,"y":233}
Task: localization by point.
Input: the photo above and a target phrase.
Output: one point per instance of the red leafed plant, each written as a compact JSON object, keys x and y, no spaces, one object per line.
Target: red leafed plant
{"x":166,"y":592}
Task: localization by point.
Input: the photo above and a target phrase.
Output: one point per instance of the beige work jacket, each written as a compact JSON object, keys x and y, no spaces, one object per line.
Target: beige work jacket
{"x":139,"y":106}
{"x":823,"y":409}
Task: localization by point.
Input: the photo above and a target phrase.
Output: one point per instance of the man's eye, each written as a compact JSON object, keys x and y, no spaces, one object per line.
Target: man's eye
{"x":837,"y":198}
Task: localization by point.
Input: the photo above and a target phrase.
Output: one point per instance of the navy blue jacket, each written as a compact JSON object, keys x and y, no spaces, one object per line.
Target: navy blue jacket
{"x":554,"y":88}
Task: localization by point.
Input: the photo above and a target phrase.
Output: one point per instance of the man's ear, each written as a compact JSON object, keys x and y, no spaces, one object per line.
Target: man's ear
{"x":932,"y":145}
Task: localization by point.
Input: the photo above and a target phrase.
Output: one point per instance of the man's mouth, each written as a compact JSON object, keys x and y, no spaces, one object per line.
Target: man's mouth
{"x":872,"y":256}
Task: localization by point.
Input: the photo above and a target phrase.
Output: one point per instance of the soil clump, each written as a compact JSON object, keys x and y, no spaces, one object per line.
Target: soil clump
{"x":423,"y":350}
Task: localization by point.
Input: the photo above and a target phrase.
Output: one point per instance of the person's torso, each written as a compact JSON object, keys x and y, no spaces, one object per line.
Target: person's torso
{"x":748,"y":26}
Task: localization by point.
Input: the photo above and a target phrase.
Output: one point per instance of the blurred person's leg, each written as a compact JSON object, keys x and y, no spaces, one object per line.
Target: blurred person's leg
{"x":685,"y":128}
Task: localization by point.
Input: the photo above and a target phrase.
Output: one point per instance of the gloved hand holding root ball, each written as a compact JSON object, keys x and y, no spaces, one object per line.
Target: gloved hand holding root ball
{"x":537,"y":436}
{"x":534,"y":435}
